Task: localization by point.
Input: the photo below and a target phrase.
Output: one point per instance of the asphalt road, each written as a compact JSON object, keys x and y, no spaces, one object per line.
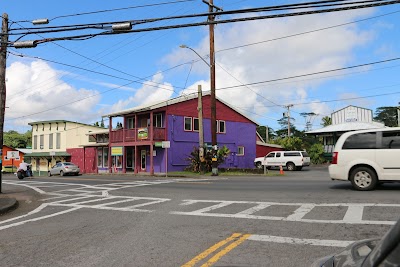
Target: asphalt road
{"x":103,"y":220}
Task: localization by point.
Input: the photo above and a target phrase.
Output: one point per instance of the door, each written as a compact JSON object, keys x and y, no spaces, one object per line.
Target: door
{"x":130,"y":159}
{"x":388,"y":154}
{"x":268,"y":159}
{"x":143,"y":160}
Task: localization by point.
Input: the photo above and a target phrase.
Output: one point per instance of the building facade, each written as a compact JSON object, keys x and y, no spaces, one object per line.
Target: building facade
{"x":160,"y":137}
{"x":58,"y":140}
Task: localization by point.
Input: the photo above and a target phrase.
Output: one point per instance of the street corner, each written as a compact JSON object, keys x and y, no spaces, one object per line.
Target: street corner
{"x":7,"y":204}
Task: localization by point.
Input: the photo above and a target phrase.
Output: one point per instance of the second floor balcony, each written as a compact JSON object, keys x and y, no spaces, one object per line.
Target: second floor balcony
{"x":137,"y":135}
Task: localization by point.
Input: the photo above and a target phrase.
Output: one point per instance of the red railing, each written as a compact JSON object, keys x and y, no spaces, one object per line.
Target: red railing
{"x":131,"y":135}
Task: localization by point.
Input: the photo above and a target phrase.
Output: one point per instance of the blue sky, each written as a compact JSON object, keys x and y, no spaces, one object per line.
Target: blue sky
{"x":39,"y":90}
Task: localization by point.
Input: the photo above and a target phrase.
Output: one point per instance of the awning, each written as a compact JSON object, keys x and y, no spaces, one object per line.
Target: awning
{"x":47,"y":154}
{"x":348,"y":126}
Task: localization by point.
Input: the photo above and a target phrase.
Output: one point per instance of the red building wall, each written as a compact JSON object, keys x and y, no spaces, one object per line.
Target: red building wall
{"x":9,"y":162}
{"x":189,"y":108}
{"x":262,"y":150}
{"x":85,"y":158}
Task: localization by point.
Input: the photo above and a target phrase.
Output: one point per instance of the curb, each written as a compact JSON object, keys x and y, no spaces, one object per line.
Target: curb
{"x":7,"y":204}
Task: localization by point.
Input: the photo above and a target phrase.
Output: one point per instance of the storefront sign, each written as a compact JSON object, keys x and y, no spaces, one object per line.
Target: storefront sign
{"x":142,"y":133}
{"x":158,"y":144}
{"x":116,"y":151}
{"x":13,"y":155}
{"x":166,"y":144}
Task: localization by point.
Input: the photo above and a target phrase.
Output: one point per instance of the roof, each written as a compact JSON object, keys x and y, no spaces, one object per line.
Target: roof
{"x":25,"y":150}
{"x":62,"y":121}
{"x":102,"y":131}
{"x":176,"y":100}
{"x":47,"y":154}
{"x":348,"y":126}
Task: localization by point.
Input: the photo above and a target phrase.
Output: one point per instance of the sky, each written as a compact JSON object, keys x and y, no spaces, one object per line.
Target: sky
{"x":83,"y":80}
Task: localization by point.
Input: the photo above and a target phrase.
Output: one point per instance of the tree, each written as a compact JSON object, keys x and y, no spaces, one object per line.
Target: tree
{"x":326,"y":121}
{"x":316,"y":152}
{"x":290,"y":143}
{"x":283,"y":122}
{"x":102,"y":122}
{"x":387,"y":115}
{"x":96,"y":124}
{"x":262,"y":131}
{"x":16,"y":140}
{"x":194,"y":159}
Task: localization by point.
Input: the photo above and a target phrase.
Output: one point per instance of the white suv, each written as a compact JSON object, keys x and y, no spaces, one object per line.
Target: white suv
{"x":293,"y":160}
{"x":367,"y":157}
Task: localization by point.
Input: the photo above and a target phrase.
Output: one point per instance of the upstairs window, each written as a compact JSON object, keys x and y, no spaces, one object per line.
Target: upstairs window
{"x":130,"y":123}
{"x":35,"y":142}
{"x":58,"y":140}
{"x":221,"y":127}
{"x":196,"y":125}
{"x":188,"y":124}
{"x":50,"y":141}
{"x":41,"y":141}
{"x":158,"y":120}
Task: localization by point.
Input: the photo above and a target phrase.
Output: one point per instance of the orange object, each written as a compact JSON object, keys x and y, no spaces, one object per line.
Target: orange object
{"x":281,"y":170}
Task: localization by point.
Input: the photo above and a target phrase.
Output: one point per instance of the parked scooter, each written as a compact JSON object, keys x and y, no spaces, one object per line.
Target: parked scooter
{"x":21,"y":173}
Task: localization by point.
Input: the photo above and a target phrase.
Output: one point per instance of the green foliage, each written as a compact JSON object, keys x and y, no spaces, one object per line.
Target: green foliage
{"x":326,"y":121}
{"x":262,"y":131}
{"x":194,"y":159}
{"x":290,"y":143}
{"x":316,"y":152}
{"x":16,"y":140}
{"x":387,"y":115}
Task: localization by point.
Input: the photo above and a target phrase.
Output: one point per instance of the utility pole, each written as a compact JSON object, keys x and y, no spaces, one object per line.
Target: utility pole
{"x":201,"y":133}
{"x":211,"y":19}
{"x":3,"y":55}
{"x":288,"y":120}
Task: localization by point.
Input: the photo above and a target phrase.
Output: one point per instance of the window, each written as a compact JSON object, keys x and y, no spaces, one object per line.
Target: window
{"x":221,"y":126}
{"x":35,"y":142}
{"x":391,"y":140}
{"x":130,"y":123}
{"x":305,"y":154}
{"x":102,"y":157}
{"x":240,"y":151}
{"x":278,"y":155}
{"x":196,"y":126}
{"x":50,"y":141}
{"x":271,"y":155}
{"x":188,"y":123}
{"x":58,"y":140}
{"x":41,"y":141}
{"x":157,"y":120}
{"x":292,"y":154}
{"x":360,"y":141}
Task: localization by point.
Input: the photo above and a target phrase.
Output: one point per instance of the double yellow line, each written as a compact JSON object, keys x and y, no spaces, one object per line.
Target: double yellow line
{"x":237,"y":239}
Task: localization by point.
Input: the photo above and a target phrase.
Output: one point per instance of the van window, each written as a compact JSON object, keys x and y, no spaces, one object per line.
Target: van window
{"x":278,"y":154}
{"x":391,"y":140}
{"x":291,"y":154}
{"x":360,"y":141}
{"x":271,"y":155}
{"x":305,"y":154}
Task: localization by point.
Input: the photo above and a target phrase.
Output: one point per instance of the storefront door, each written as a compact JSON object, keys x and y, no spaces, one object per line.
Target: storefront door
{"x":143,"y":160}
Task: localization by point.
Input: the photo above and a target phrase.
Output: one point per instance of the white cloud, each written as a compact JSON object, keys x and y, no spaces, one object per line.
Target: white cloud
{"x":308,"y":53}
{"x":36,"y":92}
{"x":152,"y":91}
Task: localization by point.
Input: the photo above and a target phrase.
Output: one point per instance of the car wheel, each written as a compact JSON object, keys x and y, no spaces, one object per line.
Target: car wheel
{"x":49,"y":173}
{"x":290,"y":166}
{"x":259,"y":165}
{"x":61,"y":173}
{"x":363,"y":179}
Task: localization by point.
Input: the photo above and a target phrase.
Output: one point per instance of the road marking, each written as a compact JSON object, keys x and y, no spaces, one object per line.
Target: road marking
{"x":353,"y":215}
{"x":300,"y":241}
{"x":38,"y":218}
{"x":210,"y":250}
{"x":224,"y":251}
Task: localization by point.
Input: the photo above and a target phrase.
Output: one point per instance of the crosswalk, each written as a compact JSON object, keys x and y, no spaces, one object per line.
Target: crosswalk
{"x":105,"y":197}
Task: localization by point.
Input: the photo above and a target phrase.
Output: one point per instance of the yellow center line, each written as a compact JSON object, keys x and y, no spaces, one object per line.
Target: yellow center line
{"x":210,"y":250}
{"x":220,"y":254}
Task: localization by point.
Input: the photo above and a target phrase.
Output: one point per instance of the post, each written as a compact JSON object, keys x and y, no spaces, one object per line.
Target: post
{"x":166,"y":162}
{"x":3,"y":56}
{"x":213,"y":97}
{"x":288,"y":115}
{"x":398,"y":115}
{"x":201,"y":133}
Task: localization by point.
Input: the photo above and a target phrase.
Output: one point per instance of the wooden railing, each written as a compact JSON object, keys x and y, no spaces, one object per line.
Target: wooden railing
{"x":132,"y":135}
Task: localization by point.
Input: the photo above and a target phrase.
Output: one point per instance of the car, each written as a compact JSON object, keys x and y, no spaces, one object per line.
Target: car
{"x":384,"y":252}
{"x":64,"y":168}
{"x":292,"y":160}
{"x":367,"y":158}
{"x":9,"y":168}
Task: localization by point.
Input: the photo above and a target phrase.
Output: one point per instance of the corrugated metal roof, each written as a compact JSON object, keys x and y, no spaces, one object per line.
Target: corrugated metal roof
{"x":348,"y":126}
{"x":47,"y":154}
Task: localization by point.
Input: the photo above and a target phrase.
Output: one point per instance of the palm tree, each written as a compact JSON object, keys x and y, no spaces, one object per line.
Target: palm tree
{"x":326,"y":121}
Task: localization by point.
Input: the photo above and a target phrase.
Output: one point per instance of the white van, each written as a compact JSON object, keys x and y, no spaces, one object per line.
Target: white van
{"x":293,"y":160}
{"x":367,"y":157}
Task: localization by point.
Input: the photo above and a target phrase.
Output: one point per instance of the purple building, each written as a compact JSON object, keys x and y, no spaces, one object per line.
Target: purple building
{"x":138,"y":146}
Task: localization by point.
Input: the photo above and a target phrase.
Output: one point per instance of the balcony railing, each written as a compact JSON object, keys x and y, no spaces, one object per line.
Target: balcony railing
{"x":136,"y":135}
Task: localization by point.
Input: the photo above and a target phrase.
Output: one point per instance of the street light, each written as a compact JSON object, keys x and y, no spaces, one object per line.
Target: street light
{"x":213,"y":106}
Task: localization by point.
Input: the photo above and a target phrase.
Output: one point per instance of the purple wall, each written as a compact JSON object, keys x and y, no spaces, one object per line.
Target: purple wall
{"x":182,"y":143}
